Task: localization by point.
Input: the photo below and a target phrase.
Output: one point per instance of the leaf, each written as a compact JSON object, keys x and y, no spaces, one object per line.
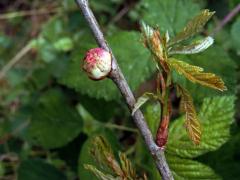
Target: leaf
{"x":142,"y":100}
{"x":54,"y":122}
{"x":156,"y":45}
{"x":215,"y":60}
{"x":167,"y":15}
{"x":103,"y":154}
{"x":104,"y":157}
{"x":38,"y":170}
{"x":98,"y":173}
{"x":216,"y":115}
{"x":226,"y":166}
{"x":153,"y":40}
{"x":127,"y":167}
{"x":235,"y":30}
{"x":192,"y":123}
{"x":188,"y":169}
{"x":193,"y":48}
{"x":196,"y":74}
{"x":193,"y":27}
{"x":86,"y":157}
{"x":132,"y":57}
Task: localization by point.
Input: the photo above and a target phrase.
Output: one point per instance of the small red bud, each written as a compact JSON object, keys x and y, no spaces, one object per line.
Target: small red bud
{"x":97,"y":63}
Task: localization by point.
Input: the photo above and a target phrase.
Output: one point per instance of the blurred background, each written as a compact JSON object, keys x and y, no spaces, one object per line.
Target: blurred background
{"x":50,"y":111}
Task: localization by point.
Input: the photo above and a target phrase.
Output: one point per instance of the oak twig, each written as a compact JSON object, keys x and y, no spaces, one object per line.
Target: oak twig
{"x":120,"y":81}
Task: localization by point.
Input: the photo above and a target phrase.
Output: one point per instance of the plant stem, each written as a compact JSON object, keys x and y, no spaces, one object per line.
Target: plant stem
{"x":123,"y":128}
{"x":120,"y":81}
{"x":162,"y":132}
{"x":226,"y":19}
{"x":15,"y":59}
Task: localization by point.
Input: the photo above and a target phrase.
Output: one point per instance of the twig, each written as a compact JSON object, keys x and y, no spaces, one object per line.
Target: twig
{"x":226,"y":19}
{"x":120,"y":14}
{"x":16,"y":14}
{"x":123,"y":128}
{"x":15,"y":59}
{"x":118,"y":78}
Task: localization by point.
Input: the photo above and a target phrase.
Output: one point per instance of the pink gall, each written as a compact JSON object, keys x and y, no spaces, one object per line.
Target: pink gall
{"x":97,"y":63}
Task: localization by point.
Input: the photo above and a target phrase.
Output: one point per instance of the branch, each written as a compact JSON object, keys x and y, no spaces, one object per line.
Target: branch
{"x":15,"y":59}
{"x":227,"y":18}
{"x":120,"y":81}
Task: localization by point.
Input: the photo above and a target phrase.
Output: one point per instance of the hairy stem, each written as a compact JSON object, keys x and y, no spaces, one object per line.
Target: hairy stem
{"x":120,"y":81}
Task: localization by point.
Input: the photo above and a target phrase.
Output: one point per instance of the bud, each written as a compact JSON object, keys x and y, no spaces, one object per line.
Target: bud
{"x":97,"y":63}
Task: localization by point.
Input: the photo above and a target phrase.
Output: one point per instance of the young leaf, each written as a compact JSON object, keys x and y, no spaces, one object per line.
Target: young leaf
{"x":196,"y":74}
{"x":103,"y":153}
{"x":192,"y":123}
{"x":217,"y":115}
{"x":214,"y":60}
{"x":155,"y":44}
{"x":105,"y":158}
{"x":193,"y":27}
{"x":98,"y":173}
{"x":142,"y":100}
{"x":127,"y":167}
{"x":193,"y":48}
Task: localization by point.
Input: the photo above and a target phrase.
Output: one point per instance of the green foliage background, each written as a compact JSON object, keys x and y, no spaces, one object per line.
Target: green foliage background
{"x":50,"y":111}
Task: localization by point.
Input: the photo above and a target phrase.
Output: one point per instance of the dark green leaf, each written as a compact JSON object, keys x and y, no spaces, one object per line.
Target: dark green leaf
{"x":188,"y":169}
{"x":54,"y":122}
{"x":168,"y":15}
{"x":38,"y":170}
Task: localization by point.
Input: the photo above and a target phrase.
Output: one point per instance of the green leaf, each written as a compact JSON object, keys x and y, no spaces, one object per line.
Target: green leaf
{"x":216,"y":115}
{"x":142,"y":100}
{"x":188,"y":169}
{"x":215,"y":60}
{"x":168,"y":15}
{"x":193,"y":27}
{"x":194,"y":48}
{"x":132,"y":57}
{"x":54,"y":122}
{"x":196,"y":74}
{"x":38,"y":170}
